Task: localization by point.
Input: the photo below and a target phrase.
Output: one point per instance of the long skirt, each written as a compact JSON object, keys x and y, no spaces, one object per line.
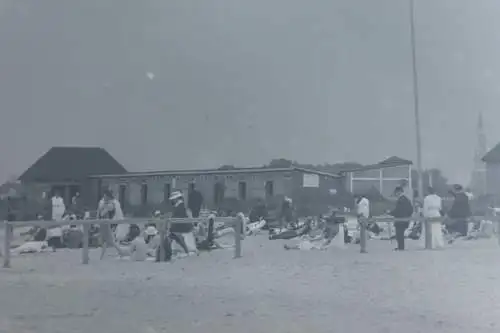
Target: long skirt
{"x":437,"y":239}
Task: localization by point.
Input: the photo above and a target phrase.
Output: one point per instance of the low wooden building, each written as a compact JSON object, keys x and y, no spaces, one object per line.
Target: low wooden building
{"x":89,"y":171}
{"x":66,"y":170}
{"x":230,"y":189}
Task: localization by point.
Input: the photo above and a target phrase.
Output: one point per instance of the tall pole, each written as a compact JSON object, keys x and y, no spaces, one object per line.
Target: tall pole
{"x":416,"y":102}
{"x":428,"y":235}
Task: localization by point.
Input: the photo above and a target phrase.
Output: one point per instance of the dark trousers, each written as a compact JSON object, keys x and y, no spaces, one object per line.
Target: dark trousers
{"x":400,"y":234}
{"x":179,"y":240}
{"x":462,"y":227}
{"x":167,"y":248}
{"x":195,"y":211}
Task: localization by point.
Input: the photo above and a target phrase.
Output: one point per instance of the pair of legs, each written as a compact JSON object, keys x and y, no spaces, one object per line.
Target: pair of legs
{"x":167,"y":246}
{"x":400,"y":234}
{"x":179,"y":239}
{"x":107,"y":240}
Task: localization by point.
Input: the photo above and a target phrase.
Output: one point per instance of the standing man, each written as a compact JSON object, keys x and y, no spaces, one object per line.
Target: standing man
{"x":77,"y":206}
{"x":286,"y":212}
{"x":403,"y":210}
{"x":459,"y":212}
{"x":195,"y":201}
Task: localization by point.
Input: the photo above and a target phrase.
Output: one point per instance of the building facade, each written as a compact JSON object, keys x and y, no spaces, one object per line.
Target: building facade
{"x":492,"y":163}
{"x":89,"y":171}
{"x":233,"y":190}
{"x":382,"y":177}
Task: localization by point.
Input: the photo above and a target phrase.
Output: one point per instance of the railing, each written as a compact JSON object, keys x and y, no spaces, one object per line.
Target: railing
{"x":427,"y":222}
{"x":163,"y":223}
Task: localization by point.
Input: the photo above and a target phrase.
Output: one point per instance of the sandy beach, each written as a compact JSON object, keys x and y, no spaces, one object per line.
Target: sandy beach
{"x":268,"y":290}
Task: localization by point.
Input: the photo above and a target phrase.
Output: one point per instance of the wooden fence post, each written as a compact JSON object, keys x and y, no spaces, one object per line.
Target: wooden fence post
{"x":428,"y":233}
{"x":85,"y":245}
{"x":163,"y":231}
{"x":362,"y":234}
{"x":497,"y":220}
{"x":238,"y":232}
{"x":7,"y":241}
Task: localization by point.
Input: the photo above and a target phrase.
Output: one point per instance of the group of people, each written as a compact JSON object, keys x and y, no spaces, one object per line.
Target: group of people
{"x":178,"y":233}
{"x":138,"y":242}
{"x":455,"y":225}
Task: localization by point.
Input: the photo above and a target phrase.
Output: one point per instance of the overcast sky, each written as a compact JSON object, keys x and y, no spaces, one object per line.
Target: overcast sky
{"x":241,"y":82}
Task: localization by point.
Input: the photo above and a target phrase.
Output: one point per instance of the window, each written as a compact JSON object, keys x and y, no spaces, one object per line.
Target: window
{"x":167,"y":190}
{"x":122,"y":192}
{"x":269,"y":188}
{"x":242,"y":190}
{"x":144,"y":194}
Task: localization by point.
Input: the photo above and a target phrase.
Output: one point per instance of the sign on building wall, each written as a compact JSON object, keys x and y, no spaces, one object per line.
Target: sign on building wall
{"x":310,"y":180}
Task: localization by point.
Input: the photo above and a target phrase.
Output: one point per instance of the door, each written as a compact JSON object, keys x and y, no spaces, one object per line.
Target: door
{"x":122,"y":196}
{"x":219,"y":190}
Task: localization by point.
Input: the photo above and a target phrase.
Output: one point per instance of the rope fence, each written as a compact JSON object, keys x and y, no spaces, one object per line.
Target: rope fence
{"x":163,"y":225}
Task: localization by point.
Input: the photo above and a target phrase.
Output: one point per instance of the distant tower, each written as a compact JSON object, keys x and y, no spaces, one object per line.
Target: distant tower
{"x":478,"y":179}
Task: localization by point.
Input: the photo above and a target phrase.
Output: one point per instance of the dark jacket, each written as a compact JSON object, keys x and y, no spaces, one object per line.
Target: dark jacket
{"x":403,"y":208}
{"x":461,"y":207}
{"x":180,"y":212}
{"x":195,"y":200}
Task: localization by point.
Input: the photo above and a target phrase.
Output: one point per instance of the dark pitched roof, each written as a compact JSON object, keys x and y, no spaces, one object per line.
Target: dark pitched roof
{"x":71,"y":163}
{"x":493,"y":156}
{"x":395,"y":160}
{"x":216,"y":172}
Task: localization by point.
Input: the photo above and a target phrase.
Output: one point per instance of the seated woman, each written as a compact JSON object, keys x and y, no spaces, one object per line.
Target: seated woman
{"x":138,"y":249}
{"x":150,"y":233}
{"x":258,"y":212}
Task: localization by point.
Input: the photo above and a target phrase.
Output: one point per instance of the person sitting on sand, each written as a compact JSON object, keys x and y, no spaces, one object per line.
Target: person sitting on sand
{"x":258,"y":212}
{"x":138,"y":249}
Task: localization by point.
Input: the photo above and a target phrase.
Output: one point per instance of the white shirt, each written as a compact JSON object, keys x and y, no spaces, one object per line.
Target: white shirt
{"x":139,"y":249}
{"x":432,"y":206}
{"x":116,"y":205}
{"x":58,"y":208}
{"x":363,"y":208}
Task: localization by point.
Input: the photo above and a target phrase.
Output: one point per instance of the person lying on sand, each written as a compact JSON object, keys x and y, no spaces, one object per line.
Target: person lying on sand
{"x":318,"y":242}
{"x":290,"y":234}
